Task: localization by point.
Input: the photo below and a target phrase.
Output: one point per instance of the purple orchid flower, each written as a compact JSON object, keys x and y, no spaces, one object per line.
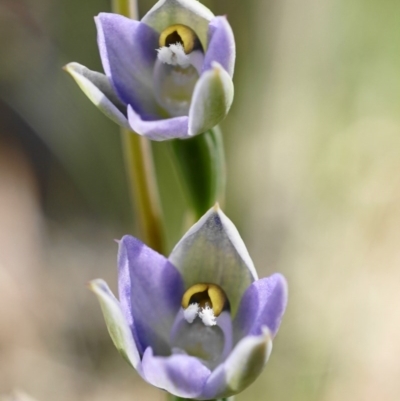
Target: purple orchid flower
{"x":166,"y":76}
{"x":199,"y":324}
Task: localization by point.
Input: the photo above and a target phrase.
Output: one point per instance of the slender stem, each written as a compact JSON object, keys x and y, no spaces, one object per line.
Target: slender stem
{"x":129,"y":8}
{"x":139,"y":166}
{"x":144,"y":192}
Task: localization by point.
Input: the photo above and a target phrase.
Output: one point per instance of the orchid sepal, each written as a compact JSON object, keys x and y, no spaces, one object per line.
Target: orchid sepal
{"x":98,"y":89}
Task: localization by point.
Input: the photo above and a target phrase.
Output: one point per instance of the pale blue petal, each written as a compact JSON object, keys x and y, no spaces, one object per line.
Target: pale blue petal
{"x":263,"y":304}
{"x":158,"y":130}
{"x":128,"y":52}
{"x":221,"y":46}
{"x":181,"y":375}
{"x":150,"y":290}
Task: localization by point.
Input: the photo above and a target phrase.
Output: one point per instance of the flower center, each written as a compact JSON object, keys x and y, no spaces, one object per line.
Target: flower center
{"x":177,"y":69}
{"x":177,"y":42}
{"x":204,"y":300}
{"x":179,"y":34}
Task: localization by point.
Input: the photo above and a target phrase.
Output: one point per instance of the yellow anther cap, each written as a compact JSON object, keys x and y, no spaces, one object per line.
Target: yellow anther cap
{"x":179,"y":34}
{"x":205,"y":294}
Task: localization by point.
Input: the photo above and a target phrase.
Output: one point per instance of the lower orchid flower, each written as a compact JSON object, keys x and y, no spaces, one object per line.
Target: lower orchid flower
{"x":199,"y":324}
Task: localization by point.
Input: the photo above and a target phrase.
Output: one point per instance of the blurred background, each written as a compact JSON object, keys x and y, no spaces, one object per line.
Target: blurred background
{"x":313,"y":149}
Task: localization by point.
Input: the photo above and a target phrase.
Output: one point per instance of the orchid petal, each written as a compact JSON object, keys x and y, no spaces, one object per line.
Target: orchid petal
{"x":221,"y":45}
{"x":211,"y":344}
{"x":150,"y":290}
{"x":186,"y":12}
{"x":263,"y":304}
{"x":241,"y":368}
{"x":181,"y":375}
{"x":211,"y":100}
{"x":128,"y":52}
{"x":158,"y":130}
{"x":98,"y":89}
{"x":212,"y":251}
{"x":117,"y":325}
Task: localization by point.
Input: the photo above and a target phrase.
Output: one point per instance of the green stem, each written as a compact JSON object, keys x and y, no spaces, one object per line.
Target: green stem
{"x":139,"y":166}
{"x":144,"y":192}
{"x":129,"y":8}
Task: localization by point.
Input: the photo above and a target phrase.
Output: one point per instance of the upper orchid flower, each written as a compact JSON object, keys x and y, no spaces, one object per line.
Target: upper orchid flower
{"x":166,"y":76}
{"x":200,"y":323}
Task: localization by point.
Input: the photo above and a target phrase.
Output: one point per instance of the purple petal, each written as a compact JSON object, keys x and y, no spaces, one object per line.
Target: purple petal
{"x":221,"y":45}
{"x":181,"y":375}
{"x":263,"y":304}
{"x":158,"y":130}
{"x":242,"y":367}
{"x":150,"y":292}
{"x":128,"y":52}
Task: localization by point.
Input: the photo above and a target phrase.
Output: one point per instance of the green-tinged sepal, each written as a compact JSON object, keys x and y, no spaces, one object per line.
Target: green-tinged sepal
{"x":212,"y":251}
{"x":212,"y":98}
{"x":117,"y":325}
{"x":200,"y":164}
{"x":247,"y":361}
{"x":97,"y":88}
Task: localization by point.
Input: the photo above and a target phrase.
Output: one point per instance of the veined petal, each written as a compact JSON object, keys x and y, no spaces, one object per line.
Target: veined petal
{"x":150,"y":290}
{"x":128,"y":52}
{"x":117,"y":325}
{"x":186,"y":12}
{"x":158,"y":130}
{"x":263,"y":304}
{"x":241,"y":368}
{"x":211,"y":100}
{"x":212,"y":251}
{"x":181,"y":375}
{"x":98,"y":89}
{"x":221,"y":45}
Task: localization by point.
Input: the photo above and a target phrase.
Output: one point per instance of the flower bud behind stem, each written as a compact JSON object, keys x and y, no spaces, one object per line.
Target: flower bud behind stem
{"x":200,"y":165}
{"x":139,"y":166}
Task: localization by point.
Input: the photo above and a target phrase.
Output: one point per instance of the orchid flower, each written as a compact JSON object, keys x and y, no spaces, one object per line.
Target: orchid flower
{"x":166,"y":76}
{"x":200,"y":323}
